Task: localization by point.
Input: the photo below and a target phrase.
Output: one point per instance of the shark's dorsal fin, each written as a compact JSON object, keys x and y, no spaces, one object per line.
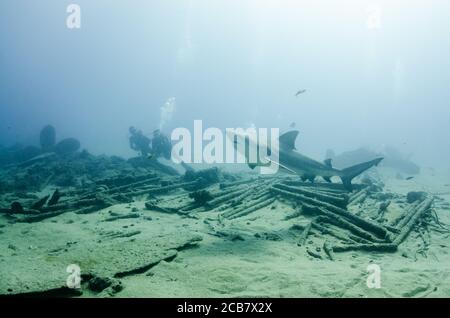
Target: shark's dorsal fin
{"x":287,"y":140}
{"x":327,"y":162}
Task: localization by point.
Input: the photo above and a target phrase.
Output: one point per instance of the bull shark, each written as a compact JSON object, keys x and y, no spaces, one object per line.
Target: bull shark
{"x":289,"y":160}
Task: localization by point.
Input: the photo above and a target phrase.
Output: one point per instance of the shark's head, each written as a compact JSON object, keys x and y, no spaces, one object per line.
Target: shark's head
{"x":245,"y":142}
{"x":253,"y":148}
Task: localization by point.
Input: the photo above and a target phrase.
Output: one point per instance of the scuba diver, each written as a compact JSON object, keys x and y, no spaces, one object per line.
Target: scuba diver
{"x":139,"y":142}
{"x":161,"y":145}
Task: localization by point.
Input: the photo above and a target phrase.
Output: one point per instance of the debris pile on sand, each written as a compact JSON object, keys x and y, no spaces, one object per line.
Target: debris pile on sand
{"x":343,"y":220}
{"x":321,"y":220}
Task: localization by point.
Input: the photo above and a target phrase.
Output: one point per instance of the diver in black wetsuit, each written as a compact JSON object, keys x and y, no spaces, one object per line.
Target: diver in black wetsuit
{"x":139,"y":142}
{"x":161,"y":145}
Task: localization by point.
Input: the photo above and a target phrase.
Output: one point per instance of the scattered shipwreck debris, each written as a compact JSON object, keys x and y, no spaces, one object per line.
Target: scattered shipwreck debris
{"x":337,"y":215}
{"x":322,"y":219}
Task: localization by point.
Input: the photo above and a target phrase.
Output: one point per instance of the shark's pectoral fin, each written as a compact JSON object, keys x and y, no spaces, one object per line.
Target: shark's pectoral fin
{"x":252,"y":165}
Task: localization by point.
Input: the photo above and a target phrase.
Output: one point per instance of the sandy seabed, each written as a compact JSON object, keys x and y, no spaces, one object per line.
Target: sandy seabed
{"x":145,"y":253}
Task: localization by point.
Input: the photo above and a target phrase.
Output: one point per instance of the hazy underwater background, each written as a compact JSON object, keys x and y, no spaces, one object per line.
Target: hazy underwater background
{"x":376,"y":72}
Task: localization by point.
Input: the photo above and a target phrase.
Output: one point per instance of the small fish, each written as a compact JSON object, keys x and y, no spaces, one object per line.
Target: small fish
{"x":292,"y":125}
{"x":409,"y":178}
{"x":150,"y":157}
{"x":300,"y":92}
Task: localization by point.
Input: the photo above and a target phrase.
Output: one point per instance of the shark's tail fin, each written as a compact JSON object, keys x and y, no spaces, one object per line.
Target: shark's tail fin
{"x":349,"y":173}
